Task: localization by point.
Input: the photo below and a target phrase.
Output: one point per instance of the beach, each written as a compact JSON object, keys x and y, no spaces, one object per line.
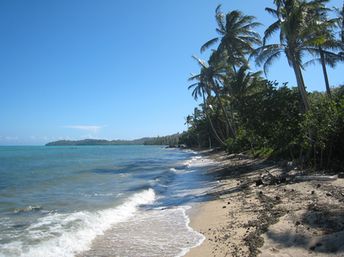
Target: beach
{"x":265,"y":208}
{"x":152,"y":201}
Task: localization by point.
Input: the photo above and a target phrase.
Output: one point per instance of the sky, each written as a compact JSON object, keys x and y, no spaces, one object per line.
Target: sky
{"x":75,"y":69}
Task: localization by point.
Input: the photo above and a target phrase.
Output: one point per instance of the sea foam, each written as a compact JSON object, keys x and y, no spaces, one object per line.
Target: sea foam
{"x":154,"y":233}
{"x":68,"y":234}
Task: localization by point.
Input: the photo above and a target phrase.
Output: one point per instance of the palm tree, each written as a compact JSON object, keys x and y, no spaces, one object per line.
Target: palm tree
{"x":213,"y":75}
{"x":293,"y":29}
{"x":342,"y":23}
{"x":236,"y":36}
{"x":323,"y":39}
{"x":340,"y":19}
{"x":201,"y":89}
{"x":242,"y":83}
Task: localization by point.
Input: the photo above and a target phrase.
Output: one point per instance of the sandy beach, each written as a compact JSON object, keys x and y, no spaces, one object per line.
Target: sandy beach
{"x":263,"y":208}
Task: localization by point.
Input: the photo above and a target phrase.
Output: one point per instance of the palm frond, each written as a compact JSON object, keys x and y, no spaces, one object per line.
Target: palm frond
{"x":261,"y":54}
{"x":192,"y":85}
{"x":271,"y":30}
{"x":208,"y":44}
{"x":194,"y":77}
{"x":272,"y":12}
{"x":270,"y":60}
{"x":201,"y":62}
{"x":219,"y":16}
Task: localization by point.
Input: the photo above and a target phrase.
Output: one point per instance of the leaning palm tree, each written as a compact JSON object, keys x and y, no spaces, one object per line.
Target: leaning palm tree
{"x":236,"y":36}
{"x":201,"y":89}
{"x":291,"y":22}
{"x":212,"y":75}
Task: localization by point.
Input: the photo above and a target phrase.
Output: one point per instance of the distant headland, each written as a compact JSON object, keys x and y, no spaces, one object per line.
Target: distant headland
{"x":171,"y":140}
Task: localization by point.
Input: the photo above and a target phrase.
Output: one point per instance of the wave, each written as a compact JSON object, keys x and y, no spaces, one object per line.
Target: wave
{"x":28,"y":209}
{"x":199,"y":238}
{"x":68,"y":234}
{"x":156,"y":232}
{"x":199,"y":162}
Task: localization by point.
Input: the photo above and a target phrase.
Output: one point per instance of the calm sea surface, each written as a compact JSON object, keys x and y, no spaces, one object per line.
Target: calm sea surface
{"x":98,"y":200}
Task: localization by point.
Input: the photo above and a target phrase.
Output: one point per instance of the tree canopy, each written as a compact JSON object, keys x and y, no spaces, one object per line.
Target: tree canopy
{"x":241,"y":111}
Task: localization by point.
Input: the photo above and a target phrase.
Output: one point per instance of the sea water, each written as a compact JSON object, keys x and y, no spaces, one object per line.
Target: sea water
{"x":123,"y":201}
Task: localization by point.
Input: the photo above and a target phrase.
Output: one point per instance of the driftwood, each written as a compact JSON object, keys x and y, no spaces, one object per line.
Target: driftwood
{"x":316,"y":177}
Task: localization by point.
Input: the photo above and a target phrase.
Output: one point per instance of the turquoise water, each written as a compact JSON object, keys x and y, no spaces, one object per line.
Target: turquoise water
{"x":62,"y":201}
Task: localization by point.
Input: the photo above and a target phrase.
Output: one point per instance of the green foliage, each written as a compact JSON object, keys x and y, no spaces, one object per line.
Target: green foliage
{"x":241,"y":143}
{"x":243,"y":112}
{"x":269,"y":118}
{"x":171,"y":140}
{"x":323,"y":130}
{"x":264,"y":152}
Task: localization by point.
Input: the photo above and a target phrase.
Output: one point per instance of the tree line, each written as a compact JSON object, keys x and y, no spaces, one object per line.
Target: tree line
{"x":170,"y":140}
{"x":242,"y":111}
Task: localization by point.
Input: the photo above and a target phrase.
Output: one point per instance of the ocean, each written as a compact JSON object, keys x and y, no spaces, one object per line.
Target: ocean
{"x":123,"y":201}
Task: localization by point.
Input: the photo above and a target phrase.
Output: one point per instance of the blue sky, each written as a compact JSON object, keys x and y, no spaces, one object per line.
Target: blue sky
{"x":109,"y":69}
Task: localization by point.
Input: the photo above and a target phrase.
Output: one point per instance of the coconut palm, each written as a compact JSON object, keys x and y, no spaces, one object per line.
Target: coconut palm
{"x":340,"y":22}
{"x":323,"y":39}
{"x":201,"y":89}
{"x":242,"y":83}
{"x":236,"y":36}
{"x":291,"y":22}
{"x":213,"y":75}
{"x":340,"y":18}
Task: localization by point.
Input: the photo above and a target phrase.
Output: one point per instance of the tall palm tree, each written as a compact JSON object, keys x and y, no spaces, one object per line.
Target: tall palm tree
{"x":291,"y":22}
{"x":236,"y":36}
{"x":323,"y":42}
{"x":342,"y":24}
{"x":201,"y":89}
{"x":340,"y":17}
{"x":212,"y":75}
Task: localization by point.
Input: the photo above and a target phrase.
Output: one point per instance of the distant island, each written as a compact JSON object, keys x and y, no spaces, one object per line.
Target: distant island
{"x":171,"y":140}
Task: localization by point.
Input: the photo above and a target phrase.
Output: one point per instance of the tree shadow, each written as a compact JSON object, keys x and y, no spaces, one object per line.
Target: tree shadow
{"x":327,"y":224}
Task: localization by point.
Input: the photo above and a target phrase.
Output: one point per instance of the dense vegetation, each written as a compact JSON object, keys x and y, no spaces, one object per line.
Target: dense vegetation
{"x":171,"y":140}
{"x":241,"y":111}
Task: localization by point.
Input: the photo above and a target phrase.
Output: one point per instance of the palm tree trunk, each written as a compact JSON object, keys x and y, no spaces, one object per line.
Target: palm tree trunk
{"x":300,"y":84}
{"x":323,"y":64}
{"x":229,"y":124}
{"x":223,"y":111}
{"x":211,"y":123}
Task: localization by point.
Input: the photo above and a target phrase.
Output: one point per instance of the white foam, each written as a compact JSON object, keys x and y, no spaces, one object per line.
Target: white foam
{"x":154,"y":233}
{"x":185,"y":250}
{"x":190,"y":151}
{"x":64,"y":235}
{"x":28,"y":209}
{"x":199,"y":162}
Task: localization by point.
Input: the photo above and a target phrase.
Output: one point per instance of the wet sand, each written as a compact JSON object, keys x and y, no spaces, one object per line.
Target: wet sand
{"x":261,"y":208}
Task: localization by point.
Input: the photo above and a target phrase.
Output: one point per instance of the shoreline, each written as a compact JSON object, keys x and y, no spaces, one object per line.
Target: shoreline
{"x":251,"y":214}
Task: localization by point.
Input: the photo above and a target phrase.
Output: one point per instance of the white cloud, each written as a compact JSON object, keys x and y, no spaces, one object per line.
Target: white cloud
{"x":9,"y":138}
{"x":88,"y":128}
